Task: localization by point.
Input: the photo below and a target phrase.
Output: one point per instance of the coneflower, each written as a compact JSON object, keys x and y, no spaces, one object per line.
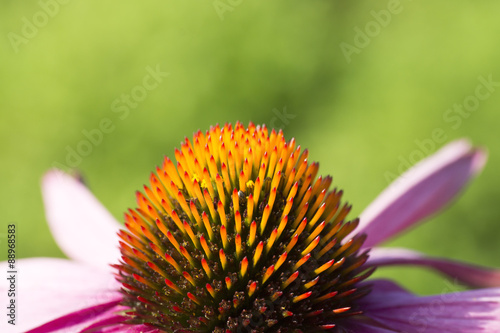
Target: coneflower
{"x":241,"y":234}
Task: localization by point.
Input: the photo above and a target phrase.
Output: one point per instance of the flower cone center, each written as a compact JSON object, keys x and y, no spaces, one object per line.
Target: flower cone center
{"x":240,"y":234}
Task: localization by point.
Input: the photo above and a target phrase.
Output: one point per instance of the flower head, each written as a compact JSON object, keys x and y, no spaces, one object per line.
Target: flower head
{"x":241,"y":233}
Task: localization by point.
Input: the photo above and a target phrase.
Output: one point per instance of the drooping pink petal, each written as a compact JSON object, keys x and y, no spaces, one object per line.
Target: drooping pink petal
{"x":84,"y":230}
{"x":421,"y":191}
{"x":49,"y":288}
{"x":77,"y":321}
{"x":107,"y":324}
{"x":458,"y":312}
{"x":471,"y":275}
{"x":120,"y":328}
{"x":102,"y":318}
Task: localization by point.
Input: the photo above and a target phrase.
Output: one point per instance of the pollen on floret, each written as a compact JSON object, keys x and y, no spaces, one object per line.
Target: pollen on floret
{"x":239,"y":233}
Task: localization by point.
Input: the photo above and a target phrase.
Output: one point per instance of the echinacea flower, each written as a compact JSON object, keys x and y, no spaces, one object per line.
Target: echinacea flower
{"x":241,"y":235}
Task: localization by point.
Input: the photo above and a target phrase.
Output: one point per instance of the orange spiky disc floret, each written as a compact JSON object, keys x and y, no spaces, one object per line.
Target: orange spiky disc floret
{"x":239,"y":233}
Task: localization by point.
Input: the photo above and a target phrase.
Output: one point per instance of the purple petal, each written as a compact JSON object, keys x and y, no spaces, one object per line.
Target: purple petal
{"x":472,"y":275}
{"x":79,"y":320}
{"x":459,"y":312}
{"x":122,"y":328}
{"x":421,"y":191}
{"x":355,"y":327}
{"x":84,"y":230}
{"x":107,"y":324}
{"x":51,"y":288}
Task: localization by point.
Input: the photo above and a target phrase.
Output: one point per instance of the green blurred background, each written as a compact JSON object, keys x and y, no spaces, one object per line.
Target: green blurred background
{"x":361,"y":84}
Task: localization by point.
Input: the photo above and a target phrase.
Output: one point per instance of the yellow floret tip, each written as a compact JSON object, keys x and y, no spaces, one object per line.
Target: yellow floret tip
{"x":195,"y":177}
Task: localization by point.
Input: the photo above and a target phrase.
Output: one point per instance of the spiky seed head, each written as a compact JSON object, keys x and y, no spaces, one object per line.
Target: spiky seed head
{"x":239,"y":234}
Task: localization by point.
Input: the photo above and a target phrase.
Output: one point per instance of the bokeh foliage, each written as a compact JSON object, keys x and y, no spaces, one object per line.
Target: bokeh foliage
{"x":361,"y":116}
